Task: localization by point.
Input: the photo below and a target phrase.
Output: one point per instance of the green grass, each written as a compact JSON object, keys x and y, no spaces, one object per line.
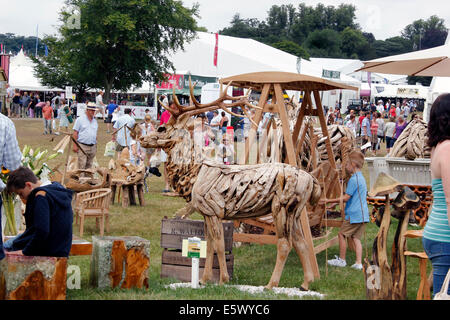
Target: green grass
{"x":253,"y":263}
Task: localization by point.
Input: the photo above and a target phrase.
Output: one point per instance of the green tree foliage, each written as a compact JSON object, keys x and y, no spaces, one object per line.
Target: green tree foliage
{"x":324,"y":43}
{"x":14,"y":43}
{"x":292,"y":48}
{"x":332,"y":31}
{"x":122,"y":43}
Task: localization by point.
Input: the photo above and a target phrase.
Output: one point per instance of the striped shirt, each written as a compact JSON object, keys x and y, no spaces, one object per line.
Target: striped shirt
{"x":437,"y":227}
{"x":10,"y":154}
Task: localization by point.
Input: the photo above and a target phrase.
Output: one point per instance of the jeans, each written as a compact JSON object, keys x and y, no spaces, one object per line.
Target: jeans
{"x":439,"y":255}
{"x":47,"y":126}
{"x":38,"y":112}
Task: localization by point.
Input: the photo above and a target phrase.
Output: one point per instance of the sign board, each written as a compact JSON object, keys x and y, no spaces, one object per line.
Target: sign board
{"x":408,"y":91}
{"x":69,"y":92}
{"x":331,"y":74}
{"x":194,"y":248}
{"x":137,"y":112}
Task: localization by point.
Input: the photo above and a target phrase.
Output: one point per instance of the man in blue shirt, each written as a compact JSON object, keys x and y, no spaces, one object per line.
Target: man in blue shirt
{"x":85,"y":133}
{"x":110,"y":107}
{"x":356,"y":211}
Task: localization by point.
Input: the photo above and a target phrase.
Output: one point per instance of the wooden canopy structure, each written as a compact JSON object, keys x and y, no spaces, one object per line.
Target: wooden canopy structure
{"x":272,"y":84}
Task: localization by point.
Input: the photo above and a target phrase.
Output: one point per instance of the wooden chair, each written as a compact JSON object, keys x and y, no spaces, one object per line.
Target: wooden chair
{"x":423,"y":293}
{"x":93,"y":203}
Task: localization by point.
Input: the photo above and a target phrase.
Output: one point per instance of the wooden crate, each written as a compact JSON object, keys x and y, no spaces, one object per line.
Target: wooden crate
{"x":173,"y":231}
{"x":173,"y":264}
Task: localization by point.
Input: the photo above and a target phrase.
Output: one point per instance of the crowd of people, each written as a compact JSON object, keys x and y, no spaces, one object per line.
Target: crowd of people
{"x":370,"y":125}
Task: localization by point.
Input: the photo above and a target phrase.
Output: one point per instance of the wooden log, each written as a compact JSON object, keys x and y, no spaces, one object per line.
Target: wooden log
{"x":32,"y":278}
{"x":399,"y":259}
{"x":119,"y":262}
{"x":379,"y":264}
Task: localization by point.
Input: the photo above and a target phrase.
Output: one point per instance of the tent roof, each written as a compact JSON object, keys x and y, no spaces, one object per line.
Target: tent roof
{"x":288,"y":81}
{"x":428,"y":62}
{"x":235,"y":56}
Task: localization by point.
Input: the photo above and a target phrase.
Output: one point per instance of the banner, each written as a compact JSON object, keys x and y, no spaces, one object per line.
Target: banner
{"x":216,"y":50}
{"x":137,"y":112}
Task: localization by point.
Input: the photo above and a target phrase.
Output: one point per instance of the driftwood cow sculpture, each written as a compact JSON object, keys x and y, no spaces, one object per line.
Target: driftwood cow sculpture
{"x":230,"y":192}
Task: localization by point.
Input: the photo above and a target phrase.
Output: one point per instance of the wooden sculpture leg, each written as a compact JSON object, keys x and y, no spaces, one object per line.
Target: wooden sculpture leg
{"x":216,"y":242}
{"x":283,"y":245}
{"x":207,"y":272}
{"x":300,"y":246}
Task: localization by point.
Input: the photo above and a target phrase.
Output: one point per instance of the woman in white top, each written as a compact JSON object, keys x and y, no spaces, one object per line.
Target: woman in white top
{"x":389,"y":132}
{"x":352,"y":123}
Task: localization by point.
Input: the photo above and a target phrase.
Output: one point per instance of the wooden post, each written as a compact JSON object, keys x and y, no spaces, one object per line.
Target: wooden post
{"x":281,"y":108}
{"x":323,"y":125}
{"x":309,"y":241}
{"x":301,"y":115}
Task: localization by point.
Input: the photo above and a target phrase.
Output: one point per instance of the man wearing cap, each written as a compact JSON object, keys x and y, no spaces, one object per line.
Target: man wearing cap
{"x":85,"y":133}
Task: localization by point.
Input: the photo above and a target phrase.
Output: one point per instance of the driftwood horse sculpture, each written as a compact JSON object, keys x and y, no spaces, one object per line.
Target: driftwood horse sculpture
{"x":230,"y":192}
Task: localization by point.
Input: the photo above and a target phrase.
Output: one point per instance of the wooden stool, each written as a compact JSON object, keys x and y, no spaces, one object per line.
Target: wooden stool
{"x":127,"y":193}
{"x":424,"y":289}
{"x":32,"y":278}
{"x":119,"y":262}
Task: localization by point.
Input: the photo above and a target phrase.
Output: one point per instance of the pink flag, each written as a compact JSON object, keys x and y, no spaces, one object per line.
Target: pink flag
{"x":216,"y":50}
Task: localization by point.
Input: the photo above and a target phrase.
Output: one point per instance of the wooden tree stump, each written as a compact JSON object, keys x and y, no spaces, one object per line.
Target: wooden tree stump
{"x":120,"y":262}
{"x":32,"y":278}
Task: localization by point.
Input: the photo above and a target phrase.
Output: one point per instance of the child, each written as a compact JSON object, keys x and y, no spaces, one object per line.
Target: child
{"x":136,"y":152}
{"x":356,"y":211}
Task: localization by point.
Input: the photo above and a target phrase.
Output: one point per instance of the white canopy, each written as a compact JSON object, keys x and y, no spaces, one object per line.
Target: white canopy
{"x":21,"y":74}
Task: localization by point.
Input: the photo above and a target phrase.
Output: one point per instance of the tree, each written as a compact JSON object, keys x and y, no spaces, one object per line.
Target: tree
{"x":292,"y":48}
{"x":64,"y":66}
{"x":354,"y":44}
{"x":122,"y":43}
{"x":324,"y":43}
{"x":392,"y":46}
{"x":425,"y":34}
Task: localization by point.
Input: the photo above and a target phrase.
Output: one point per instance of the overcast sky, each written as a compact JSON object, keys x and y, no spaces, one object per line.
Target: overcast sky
{"x":384,"y":18}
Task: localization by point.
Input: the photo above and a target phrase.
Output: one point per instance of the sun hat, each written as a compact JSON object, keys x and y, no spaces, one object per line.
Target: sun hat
{"x":91,"y":106}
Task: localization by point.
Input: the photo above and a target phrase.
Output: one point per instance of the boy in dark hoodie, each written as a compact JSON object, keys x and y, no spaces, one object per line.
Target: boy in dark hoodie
{"x":48,"y":216}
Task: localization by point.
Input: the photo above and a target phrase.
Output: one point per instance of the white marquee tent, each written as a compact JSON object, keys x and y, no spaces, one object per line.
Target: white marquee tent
{"x":21,"y":74}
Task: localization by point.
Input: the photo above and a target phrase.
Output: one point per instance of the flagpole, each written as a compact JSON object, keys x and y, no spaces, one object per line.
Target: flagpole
{"x":37,"y":39}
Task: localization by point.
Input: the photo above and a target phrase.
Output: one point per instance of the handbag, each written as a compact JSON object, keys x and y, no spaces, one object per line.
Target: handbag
{"x":443,"y":294}
{"x":110,"y":149}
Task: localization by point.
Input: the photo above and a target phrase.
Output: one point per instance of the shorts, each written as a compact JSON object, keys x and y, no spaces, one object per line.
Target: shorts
{"x":353,"y":230}
{"x":109,"y":119}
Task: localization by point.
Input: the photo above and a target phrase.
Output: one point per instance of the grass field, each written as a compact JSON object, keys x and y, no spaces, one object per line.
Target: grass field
{"x":342,"y":283}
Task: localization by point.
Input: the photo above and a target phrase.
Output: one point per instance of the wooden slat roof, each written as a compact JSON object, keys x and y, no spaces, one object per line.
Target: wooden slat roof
{"x":287,"y":80}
